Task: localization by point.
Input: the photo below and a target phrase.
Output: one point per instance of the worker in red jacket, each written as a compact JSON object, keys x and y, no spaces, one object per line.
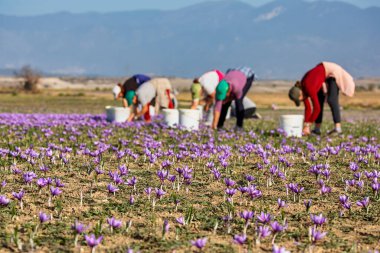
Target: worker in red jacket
{"x":323,"y":81}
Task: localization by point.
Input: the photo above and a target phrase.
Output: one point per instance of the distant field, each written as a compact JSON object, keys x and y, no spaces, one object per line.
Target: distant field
{"x":365,"y":105}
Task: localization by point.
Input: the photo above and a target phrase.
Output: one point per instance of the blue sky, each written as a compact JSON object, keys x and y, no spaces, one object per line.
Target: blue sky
{"x":36,"y":7}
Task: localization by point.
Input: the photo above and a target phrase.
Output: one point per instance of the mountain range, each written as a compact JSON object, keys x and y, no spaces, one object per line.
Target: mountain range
{"x":282,"y":39}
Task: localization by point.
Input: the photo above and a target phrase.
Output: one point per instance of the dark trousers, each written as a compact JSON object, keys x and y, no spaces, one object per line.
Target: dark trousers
{"x":239,"y":106}
{"x":332,"y":100}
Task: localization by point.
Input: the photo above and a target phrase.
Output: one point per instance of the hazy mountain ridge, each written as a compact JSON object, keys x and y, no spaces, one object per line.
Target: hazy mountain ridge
{"x":279,"y":40}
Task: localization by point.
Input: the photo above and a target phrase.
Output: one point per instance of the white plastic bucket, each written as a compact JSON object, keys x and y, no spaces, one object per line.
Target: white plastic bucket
{"x":117,"y":114}
{"x":209,"y":116}
{"x":189,"y":119}
{"x":152,"y":110}
{"x":171,"y":117}
{"x":200,"y":108}
{"x":292,"y":124}
{"x":228,"y":115}
{"x":247,"y":103}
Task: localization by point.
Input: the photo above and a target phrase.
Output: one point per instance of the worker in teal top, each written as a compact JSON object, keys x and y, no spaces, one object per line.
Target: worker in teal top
{"x":234,"y":86}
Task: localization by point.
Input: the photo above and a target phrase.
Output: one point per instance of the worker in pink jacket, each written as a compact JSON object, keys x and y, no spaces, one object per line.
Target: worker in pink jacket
{"x":322,"y":82}
{"x":234,"y":86}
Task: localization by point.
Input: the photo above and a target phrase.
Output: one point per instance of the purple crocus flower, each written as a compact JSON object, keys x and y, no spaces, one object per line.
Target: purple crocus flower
{"x":307,"y":204}
{"x":354,"y":166}
{"x":113,"y":223}
{"x":364,"y":203}
{"x":123,"y":170}
{"x":43,"y":217}
{"x":29,"y":176}
{"x":132,"y":181}
{"x":99,"y":171}
{"x":240,"y":239}
{"x":181,"y":220}
{"x":55,"y":191}
{"x":210,"y":165}
{"x":111,"y":188}
{"x":172,"y":178}
{"x":230,"y":192}
{"x":58,"y":183}
{"x":318,"y":220}
{"x":79,"y":228}
{"x":18,"y":195}
{"x":246,"y":215}
{"x":264,"y":218}
{"x":3,"y":184}
{"x":242,"y":189}
{"x":277,"y":249}
{"x":277,"y":227}
{"x":162,"y":174}
{"x":325,"y":189}
{"x":216,"y":173}
{"x":92,"y":241}
{"x":249,"y":178}
{"x":229,"y":182}
{"x":281,"y":203}
{"x":317,"y":235}
{"x":295,"y":188}
{"x":199,"y":243}
{"x":160,"y":193}
{"x":264,"y":231}
{"x":375,"y":187}
{"x":4,"y":201}
{"x":148,"y":191}
{"x":166,"y":226}
{"x":42,"y":182}
{"x":343,"y":199}
{"x":131,"y":200}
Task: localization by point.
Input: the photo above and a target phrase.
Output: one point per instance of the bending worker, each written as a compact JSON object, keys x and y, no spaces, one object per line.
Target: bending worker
{"x":157,"y":92}
{"x":205,"y":85}
{"x":234,"y":86}
{"x":126,"y":92}
{"x":323,"y":81}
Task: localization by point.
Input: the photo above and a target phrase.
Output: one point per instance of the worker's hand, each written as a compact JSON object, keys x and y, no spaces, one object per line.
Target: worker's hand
{"x":306,"y":129}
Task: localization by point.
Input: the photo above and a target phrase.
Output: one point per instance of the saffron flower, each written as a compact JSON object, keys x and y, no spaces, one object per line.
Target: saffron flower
{"x":18,"y":195}
{"x":78,"y":228}
{"x":364,"y":203}
{"x":4,"y":201}
{"x":277,"y":227}
{"x":112,"y":189}
{"x":281,"y":203}
{"x":199,"y":243}
{"x":318,"y":220}
{"x":160,"y":193}
{"x":264,"y":218}
{"x":263,"y":232}
{"x":317,"y":235}
{"x":307,"y":204}
{"x":113,"y":223}
{"x":43,"y":217}
{"x":277,"y":249}
{"x":92,"y":241}
{"x":181,"y":220}
{"x":246,"y":215}
{"x":55,"y":191}
{"x":240,"y":239}
{"x":229,"y":182}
